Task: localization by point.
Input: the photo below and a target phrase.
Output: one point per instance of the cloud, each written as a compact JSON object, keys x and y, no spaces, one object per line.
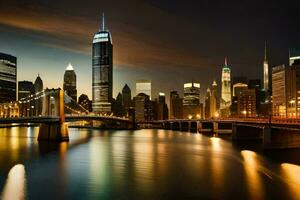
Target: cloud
{"x":135,"y":43}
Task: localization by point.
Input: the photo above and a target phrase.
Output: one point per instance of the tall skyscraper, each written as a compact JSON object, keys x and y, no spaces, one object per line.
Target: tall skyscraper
{"x":213,"y":100}
{"x":162,"y":109}
{"x":191,"y":101}
{"x":207,"y":110}
{"x":8,"y":78}
{"x":225,"y":90}
{"x":143,"y":86}
{"x":102,"y":70}
{"x":284,"y":91}
{"x":175,"y":105}
{"x":38,"y":87}
{"x":126,"y":94}
{"x":70,"y":82}
{"x":266,"y":71}
{"x":38,"y":84}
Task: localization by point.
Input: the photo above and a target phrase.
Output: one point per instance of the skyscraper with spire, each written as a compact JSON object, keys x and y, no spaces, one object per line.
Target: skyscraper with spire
{"x":226,"y":90}
{"x":70,"y":82}
{"x":102,"y":55}
{"x":266,"y":71}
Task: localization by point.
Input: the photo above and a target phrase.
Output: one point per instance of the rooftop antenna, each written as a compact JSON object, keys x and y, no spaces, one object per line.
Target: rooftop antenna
{"x":103,"y":22}
{"x":225,"y":61}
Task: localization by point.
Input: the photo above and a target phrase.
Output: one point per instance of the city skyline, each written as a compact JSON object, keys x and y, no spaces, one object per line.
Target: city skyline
{"x":52,"y":48}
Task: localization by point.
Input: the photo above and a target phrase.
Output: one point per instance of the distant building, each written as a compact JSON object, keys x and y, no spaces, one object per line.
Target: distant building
{"x":143,"y":86}
{"x":175,"y":105}
{"x":226,"y":90}
{"x":142,"y":103}
{"x":117,"y":106}
{"x":70,"y":82}
{"x":207,"y":110}
{"x":85,"y":102}
{"x":214,"y":100}
{"x":246,"y":103}
{"x":294,"y":55}
{"x":102,"y":62}
{"x":126,"y":97}
{"x":38,"y":87}
{"x":191,"y":101}
{"x":8,"y":78}
{"x":25,"y":89}
{"x":238,"y":88}
{"x":284,"y":91}
{"x":296,"y":67}
{"x":162,"y":109}
{"x":266,"y":71}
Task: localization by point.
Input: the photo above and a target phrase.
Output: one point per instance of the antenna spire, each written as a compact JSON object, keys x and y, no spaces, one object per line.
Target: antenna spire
{"x":103,"y":22}
{"x":265,"y":50}
{"x":225,"y":61}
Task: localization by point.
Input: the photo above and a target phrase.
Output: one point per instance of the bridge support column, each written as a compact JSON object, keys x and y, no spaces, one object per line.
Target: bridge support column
{"x":55,"y":106}
{"x":54,"y":132}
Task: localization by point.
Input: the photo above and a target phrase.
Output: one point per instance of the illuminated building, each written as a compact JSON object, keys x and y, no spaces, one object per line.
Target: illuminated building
{"x":175,"y":105}
{"x":70,"y":82}
{"x":8,"y":78}
{"x":214,"y":100}
{"x":246,"y":103}
{"x":225,"y":90}
{"x":9,"y":110}
{"x":25,"y":89}
{"x":294,"y":55}
{"x":207,"y":111}
{"x":266,"y":71}
{"x":102,"y":71}
{"x":284,"y":91}
{"x":162,"y":108}
{"x":143,"y":86}
{"x":192,"y":108}
{"x":142,"y":103}
{"x":238,"y":88}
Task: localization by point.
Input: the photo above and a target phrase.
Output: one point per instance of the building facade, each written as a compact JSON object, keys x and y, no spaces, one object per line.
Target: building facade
{"x":162,"y":108}
{"x":175,"y":105}
{"x":25,"y":89}
{"x":102,"y":54}
{"x":142,"y":107}
{"x":70,"y":82}
{"x":207,"y":110}
{"x":214,"y":100}
{"x":246,"y":103}
{"x":225,"y":90}
{"x":192,"y":108}
{"x":143,"y":86}
{"x":266,"y":71}
{"x":8,"y":78}
{"x":284,"y":91}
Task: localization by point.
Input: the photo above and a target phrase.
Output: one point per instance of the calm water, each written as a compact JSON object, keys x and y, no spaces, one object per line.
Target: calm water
{"x":144,"y":164}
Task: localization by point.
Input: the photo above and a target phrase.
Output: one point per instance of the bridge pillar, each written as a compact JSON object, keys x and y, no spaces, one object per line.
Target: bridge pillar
{"x":54,"y":106}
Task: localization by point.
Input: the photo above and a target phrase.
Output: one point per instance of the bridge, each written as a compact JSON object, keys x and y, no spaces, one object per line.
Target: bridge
{"x":273,"y":132}
{"x":52,"y":109}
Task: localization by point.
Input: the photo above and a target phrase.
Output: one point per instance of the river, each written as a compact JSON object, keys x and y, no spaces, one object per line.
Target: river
{"x":142,"y":164}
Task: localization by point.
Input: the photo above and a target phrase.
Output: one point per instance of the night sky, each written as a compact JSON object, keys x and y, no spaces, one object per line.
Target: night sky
{"x":169,"y":42}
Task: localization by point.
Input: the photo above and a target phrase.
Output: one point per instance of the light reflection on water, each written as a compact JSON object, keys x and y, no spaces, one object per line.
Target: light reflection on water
{"x":144,"y":164}
{"x":15,"y":186}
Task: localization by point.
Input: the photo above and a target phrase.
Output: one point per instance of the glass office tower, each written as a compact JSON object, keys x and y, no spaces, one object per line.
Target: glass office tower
{"x":102,"y":71}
